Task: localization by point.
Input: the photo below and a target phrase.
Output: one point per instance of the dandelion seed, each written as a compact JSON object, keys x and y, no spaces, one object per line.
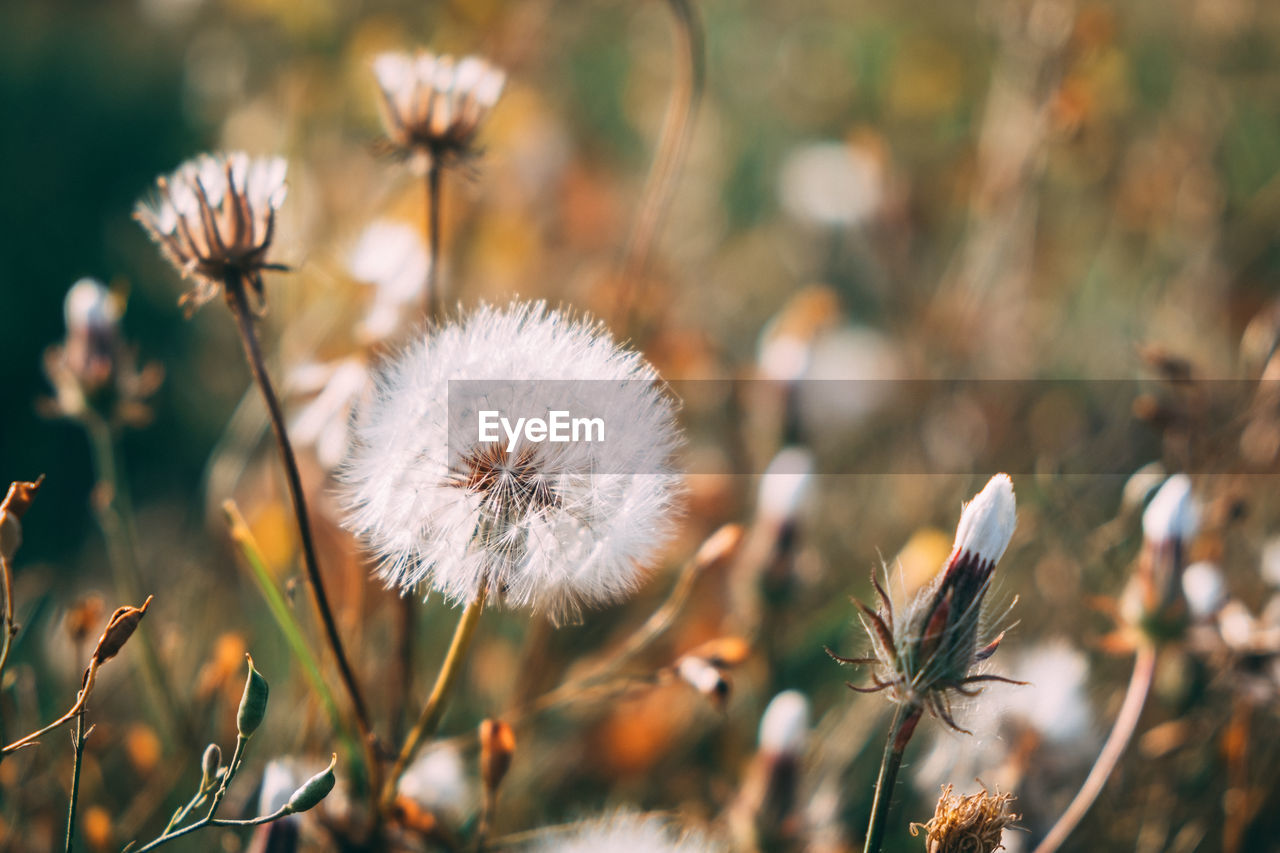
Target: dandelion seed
{"x":215,"y":217}
{"x":627,"y":832}
{"x":549,"y":526}
{"x":433,"y":105}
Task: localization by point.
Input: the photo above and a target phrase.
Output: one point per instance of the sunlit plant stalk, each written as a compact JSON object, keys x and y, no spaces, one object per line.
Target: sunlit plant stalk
{"x":433,"y":711}
{"x":244,"y":539}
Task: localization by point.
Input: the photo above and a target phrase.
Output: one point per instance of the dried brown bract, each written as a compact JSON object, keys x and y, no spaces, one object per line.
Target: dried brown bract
{"x":967,"y":824}
{"x":120,"y":628}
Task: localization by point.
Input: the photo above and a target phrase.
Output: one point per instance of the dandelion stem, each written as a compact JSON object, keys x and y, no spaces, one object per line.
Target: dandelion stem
{"x":435,"y":300}
{"x":80,"y":737}
{"x":903,"y":726}
{"x":433,"y":711}
{"x":1144,"y":670}
{"x":238,"y":302}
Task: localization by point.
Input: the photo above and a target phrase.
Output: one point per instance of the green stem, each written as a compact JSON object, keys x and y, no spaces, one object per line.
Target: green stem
{"x":433,"y":711}
{"x":81,"y":736}
{"x":285,"y":620}
{"x":900,"y":731}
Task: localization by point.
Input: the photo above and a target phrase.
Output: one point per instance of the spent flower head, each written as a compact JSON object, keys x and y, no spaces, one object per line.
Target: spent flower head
{"x":94,"y":371}
{"x":214,"y":218}
{"x":550,"y":526}
{"x":433,"y":104}
{"x":925,"y":654}
{"x":972,"y":823}
{"x":1153,"y":603}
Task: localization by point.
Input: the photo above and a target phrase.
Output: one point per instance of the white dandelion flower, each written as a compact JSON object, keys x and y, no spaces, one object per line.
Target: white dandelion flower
{"x":542,"y":523}
{"x":626,"y":832}
{"x":215,"y":217}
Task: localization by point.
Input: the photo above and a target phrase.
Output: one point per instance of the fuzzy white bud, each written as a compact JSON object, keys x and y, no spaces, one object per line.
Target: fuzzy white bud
{"x":987,"y":522}
{"x":1204,"y":589}
{"x":1173,"y":514}
{"x":785,"y":485}
{"x":785,"y":724}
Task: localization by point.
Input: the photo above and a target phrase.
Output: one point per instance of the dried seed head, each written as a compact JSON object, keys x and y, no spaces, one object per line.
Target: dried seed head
{"x":967,"y":824}
{"x":120,"y":628}
{"x":15,"y":506}
{"x":214,"y":218}
{"x":253,"y":702}
{"x":497,"y":747}
{"x":433,"y":105}
{"x":926,"y":653}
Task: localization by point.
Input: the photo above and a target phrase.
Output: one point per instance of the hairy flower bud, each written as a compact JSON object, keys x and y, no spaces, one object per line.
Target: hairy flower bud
{"x":1154,"y":600}
{"x":929,"y":651}
{"x":253,"y":702}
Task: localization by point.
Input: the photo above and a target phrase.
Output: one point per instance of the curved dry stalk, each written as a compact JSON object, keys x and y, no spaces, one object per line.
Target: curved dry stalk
{"x":238,"y":302}
{"x":673,"y":144}
{"x":433,"y":710}
{"x":90,"y":678}
{"x":8,"y":629}
{"x":1144,"y":670}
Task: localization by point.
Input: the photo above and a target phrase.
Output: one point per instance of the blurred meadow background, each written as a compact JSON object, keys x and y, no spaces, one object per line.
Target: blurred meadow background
{"x":1003,"y":189}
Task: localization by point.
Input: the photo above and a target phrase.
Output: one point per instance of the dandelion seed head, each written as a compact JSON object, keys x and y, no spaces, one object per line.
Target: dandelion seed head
{"x":549,"y":526}
{"x":215,"y":217}
{"x":627,"y":832}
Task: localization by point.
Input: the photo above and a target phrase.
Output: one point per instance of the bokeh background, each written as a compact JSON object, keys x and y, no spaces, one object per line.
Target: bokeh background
{"x":1012,"y":189}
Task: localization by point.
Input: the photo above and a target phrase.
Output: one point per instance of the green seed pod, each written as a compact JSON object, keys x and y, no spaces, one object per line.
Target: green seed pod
{"x":314,"y":789}
{"x":210,"y":763}
{"x":253,"y":704}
